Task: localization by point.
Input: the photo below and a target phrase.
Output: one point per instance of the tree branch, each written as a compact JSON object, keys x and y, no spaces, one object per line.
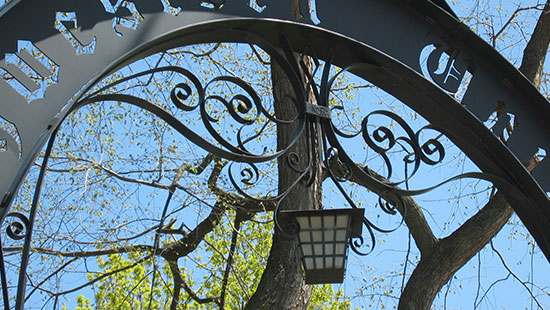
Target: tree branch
{"x":451,"y":253}
{"x":196,"y":170}
{"x":229,"y":262}
{"x":37,"y":286}
{"x":535,"y":52}
{"x":514,"y":275}
{"x":190,"y":241}
{"x":509,"y":21}
{"x":107,"y":274}
{"x":410,"y":210}
{"x":179,"y":282}
{"x":82,"y":254}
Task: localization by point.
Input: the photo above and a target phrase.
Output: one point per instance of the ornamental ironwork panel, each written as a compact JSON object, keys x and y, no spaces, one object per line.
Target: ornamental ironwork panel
{"x":55,"y":53}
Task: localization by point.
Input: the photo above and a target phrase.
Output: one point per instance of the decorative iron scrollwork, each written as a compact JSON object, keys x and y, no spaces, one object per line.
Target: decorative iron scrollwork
{"x":18,"y":227}
{"x":230,"y":99}
{"x":415,"y":152}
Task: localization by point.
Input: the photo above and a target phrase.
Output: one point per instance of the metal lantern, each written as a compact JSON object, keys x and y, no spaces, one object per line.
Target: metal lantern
{"x":323,"y":237}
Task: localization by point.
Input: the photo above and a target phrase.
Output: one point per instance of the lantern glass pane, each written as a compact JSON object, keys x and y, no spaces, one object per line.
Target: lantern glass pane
{"x":329,"y":221}
{"x":308,"y":263}
{"x":341,"y":235}
{"x":316,"y":222}
{"x":319,"y":263}
{"x":318,"y":249}
{"x":329,"y":249}
{"x":329,"y":235}
{"x":340,"y":249}
{"x":307,"y":250}
{"x":303,"y":222}
{"x":317,"y":235}
{"x":339,"y":262}
{"x":329,"y":262}
{"x":342,"y":221}
{"x":305,"y":236}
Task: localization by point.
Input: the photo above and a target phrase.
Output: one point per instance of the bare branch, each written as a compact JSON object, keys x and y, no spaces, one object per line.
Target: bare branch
{"x":107,"y":274}
{"x":451,"y":253}
{"x":179,"y":283}
{"x":196,"y":170}
{"x":413,"y":216}
{"x":197,"y":55}
{"x":189,"y":242}
{"x":511,"y":19}
{"x":229,"y":262}
{"x":37,"y":286}
{"x":82,"y":254}
{"x":514,"y":275}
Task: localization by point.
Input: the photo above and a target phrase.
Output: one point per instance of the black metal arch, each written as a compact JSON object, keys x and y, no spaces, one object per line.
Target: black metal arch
{"x":441,"y":27}
{"x":436,"y":105}
{"x":399,"y":74}
{"x":481,"y":145}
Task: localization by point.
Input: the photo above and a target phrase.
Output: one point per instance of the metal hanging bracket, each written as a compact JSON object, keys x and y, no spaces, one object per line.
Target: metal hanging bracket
{"x":317,"y":110}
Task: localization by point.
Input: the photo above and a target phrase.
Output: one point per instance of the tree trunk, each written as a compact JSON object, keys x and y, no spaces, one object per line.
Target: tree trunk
{"x":448,"y":255}
{"x":535,"y":52}
{"x":282,"y":285}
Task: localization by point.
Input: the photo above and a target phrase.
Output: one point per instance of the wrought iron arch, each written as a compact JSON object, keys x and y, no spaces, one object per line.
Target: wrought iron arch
{"x":382,"y":63}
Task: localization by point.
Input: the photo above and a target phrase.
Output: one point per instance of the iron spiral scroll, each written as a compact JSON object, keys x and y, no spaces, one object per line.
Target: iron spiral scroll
{"x":18,"y":225}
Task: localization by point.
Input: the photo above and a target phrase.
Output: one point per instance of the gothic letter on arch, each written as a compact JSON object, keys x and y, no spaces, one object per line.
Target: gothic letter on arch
{"x":9,"y":138}
{"x":131,"y":23}
{"x":168,"y":8}
{"x":29,"y":71}
{"x":254,"y":5}
{"x":445,"y":66}
{"x":80,"y":48}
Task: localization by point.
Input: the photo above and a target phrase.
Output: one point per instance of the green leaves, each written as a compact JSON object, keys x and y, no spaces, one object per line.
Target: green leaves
{"x":324,"y":297}
{"x":129,"y":288}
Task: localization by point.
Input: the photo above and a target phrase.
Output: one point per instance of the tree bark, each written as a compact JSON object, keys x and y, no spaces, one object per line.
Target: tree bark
{"x":535,"y":52}
{"x":438,"y":264}
{"x":282,"y":285}
{"x":449,"y":255}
